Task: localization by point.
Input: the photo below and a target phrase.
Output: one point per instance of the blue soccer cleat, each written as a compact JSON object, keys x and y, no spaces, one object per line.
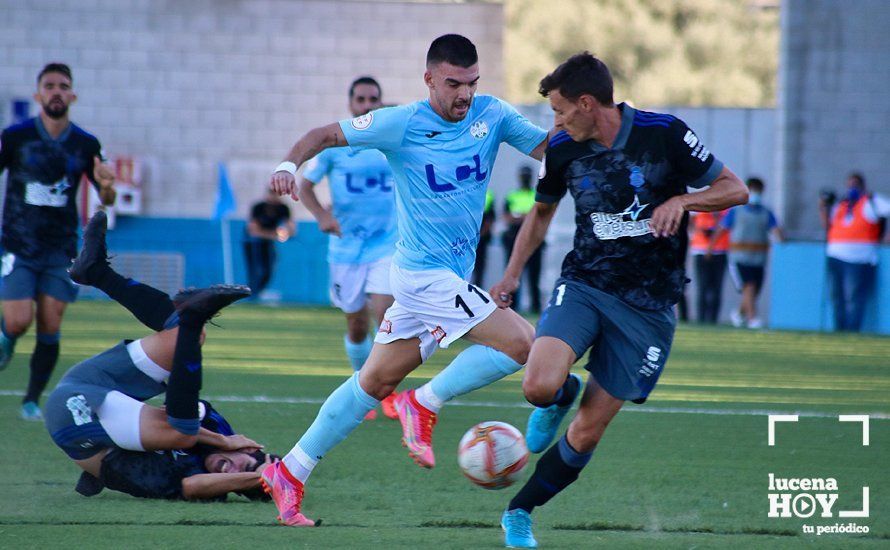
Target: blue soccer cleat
{"x":31,"y":412}
{"x":7,"y":348}
{"x":543,"y":423}
{"x":517,"y":526}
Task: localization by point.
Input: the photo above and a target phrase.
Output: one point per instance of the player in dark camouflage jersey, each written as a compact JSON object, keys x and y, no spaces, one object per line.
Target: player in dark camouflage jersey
{"x":46,"y":157}
{"x":627,"y":171}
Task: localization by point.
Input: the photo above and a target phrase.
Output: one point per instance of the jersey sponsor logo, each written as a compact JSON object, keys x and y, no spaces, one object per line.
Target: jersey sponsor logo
{"x":363,"y":122}
{"x":542,"y":171}
{"x":439,"y":333}
{"x":479,"y":129}
{"x":608,"y":226}
{"x":370,"y":183}
{"x":432,"y":133}
{"x":699,"y":150}
{"x":39,"y":194}
{"x":461,"y":173}
{"x":80,"y":410}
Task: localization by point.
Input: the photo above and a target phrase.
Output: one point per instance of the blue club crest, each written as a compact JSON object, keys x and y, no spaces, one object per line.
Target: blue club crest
{"x":636,"y":177}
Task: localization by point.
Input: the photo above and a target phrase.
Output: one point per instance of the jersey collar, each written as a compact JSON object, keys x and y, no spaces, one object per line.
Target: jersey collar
{"x":41,"y":130}
{"x":627,"y":122}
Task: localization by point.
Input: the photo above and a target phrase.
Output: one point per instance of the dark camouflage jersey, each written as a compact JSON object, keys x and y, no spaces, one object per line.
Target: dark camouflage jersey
{"x":654,"y":157}
{"x":40,"y":213}
{"x":150,"y":474}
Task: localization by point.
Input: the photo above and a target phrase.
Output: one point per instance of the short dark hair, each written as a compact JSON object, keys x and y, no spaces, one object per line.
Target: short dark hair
{"x":579,"y":75}
{"x":755,"y":184}
{"x":858,"y":177}
{"x":454,"y":49}
{"x":60,"y":68}
{"x":364,"y":80}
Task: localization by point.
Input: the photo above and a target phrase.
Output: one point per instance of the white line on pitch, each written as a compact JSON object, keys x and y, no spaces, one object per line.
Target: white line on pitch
{"x":494,"y":404}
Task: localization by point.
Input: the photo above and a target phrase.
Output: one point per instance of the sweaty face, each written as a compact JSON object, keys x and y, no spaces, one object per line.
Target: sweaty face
{"x":570,"y":117}
{"x":365,"y":98}
{"x":452,"y":89}
{"x":229,"y":462}
{"x":54,"y":94}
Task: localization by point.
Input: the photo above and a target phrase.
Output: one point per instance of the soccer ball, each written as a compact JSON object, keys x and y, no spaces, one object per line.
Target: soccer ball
{"x":492,"y":454}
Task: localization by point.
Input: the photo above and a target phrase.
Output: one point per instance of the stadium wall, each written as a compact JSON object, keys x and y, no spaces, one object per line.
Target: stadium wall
{"x":833,"y":108}
{"x":184,"y":85}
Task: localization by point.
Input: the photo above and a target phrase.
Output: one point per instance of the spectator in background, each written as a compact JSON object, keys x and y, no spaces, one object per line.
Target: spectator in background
{"x":709,"y":263}
{"x":488,"y":218}
{"x":518,"y":204}
{"x":269,"y":222}
{"x":854,"y":227}
{"x":749,"y":227}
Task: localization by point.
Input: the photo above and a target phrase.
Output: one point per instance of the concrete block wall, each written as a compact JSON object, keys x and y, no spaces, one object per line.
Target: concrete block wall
{"x":185,"y":85}
{"x":834,"y":113}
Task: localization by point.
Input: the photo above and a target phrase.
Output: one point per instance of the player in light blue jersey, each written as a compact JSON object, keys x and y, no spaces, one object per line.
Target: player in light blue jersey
{"x":441,"y":152}
{"x":362,"y":225}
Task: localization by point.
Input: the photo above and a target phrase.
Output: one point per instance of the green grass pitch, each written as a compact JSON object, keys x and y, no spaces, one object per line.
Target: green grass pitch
{"x":689,"y":469}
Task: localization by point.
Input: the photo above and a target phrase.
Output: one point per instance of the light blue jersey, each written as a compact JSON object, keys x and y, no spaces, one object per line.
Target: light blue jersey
{"x":361,"y":190}
{"x":441,"y":171}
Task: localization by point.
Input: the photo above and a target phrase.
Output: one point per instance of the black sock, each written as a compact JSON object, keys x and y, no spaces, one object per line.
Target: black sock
{"x":185,"y":378}
{"x":43,"y":361}
{"x":149,"y":305}
{"x":557,"y":469}
{"x":565,"y":395}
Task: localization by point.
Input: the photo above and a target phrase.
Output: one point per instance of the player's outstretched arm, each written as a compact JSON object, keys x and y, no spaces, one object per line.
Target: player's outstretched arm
{"x":326,"y":220}
{"x":531,"y":235}
{"x":284,"y":179}
{"x":726,"y":190}
{"x":208,"y":486}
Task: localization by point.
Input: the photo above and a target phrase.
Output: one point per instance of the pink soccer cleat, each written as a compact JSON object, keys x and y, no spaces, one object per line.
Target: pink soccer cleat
{"x":371,"y":415}
{"x":287,"y":492}
{"x":417,"y":428}
{"x":389,"y":406}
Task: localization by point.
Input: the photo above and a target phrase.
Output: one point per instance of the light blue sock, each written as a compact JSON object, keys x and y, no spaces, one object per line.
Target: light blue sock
{"x":475,"y":367}
{"x":358,"y":353}
{"x":341,"y":413}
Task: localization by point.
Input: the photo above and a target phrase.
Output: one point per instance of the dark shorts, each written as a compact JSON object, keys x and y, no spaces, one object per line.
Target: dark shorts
{"x":70,"y":416}
{"x":70,"y":410}
{"x":629,"y":345}
{"x":26,"y":279}
{"x":746,"y":274}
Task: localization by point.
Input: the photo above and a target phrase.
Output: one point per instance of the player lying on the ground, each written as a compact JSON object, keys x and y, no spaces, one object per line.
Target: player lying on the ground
{"x":441,"y":151}
{"x":627,"y":171}
{"x":97,"y":413}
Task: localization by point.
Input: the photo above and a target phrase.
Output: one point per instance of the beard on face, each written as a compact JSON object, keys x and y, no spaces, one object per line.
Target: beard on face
{"x":55,"y":109}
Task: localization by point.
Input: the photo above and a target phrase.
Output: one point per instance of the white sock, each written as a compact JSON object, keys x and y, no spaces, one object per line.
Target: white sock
{"x":299,"y":464}
{"x":425,"y":396}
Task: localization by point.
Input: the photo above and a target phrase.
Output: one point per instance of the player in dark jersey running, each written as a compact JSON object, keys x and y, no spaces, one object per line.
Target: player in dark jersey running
{"x":97,"y":413}
{"x":628,"y":171}
{"x":46,"y":157}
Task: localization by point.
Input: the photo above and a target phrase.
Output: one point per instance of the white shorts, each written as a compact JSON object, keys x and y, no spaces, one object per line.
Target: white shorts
{"x":436,"y":306}
{"x":351,"y":283}
{"x":119,"y":415}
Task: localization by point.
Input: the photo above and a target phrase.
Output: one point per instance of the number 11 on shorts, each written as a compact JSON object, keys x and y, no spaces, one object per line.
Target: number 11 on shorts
{"x":459,"y":300}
